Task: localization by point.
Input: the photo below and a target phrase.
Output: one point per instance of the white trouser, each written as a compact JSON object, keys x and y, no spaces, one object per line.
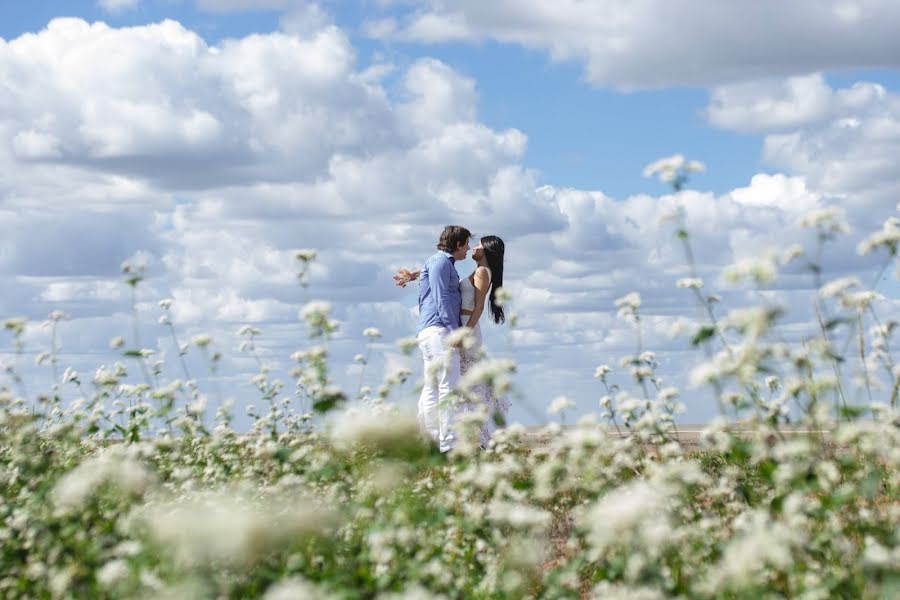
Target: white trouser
{"x":436,"y":411}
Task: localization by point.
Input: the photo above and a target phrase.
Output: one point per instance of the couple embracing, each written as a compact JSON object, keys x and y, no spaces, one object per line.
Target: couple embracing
{"x":446,"y":304}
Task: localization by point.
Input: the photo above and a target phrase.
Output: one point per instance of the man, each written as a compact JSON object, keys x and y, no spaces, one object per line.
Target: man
{"x":439,"y":304}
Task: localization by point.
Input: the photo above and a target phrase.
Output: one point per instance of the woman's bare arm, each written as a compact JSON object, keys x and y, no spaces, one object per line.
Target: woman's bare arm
{"x":482,"y":285}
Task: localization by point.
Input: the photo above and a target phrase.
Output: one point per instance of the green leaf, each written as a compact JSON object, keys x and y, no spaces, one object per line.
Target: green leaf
{"x":132,"y":353}
{"x":706,"y":332}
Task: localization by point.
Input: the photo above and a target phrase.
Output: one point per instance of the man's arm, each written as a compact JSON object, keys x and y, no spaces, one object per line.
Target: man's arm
{"x":442,"y":288}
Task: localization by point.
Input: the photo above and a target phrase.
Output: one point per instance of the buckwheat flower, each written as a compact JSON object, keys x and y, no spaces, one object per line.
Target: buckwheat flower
{"x":462,"y":338}
{"x":198,"y":405}
{"x":248,"y":330}
{"x":166,"y":303}
{"x":164,"y":320}
{"x":70,"y":375}
{"x":602,"y":371}
{"x":628,"y":305}
{"x":494,"y":373}
{"x":791,"y":253}
{"x":760,"y":270}
{"x":114,"y":467}
{"x":117,"y":342}
{"x":772,"y":383}
{"x":102,"y":376}
{"x":760,"y":546}
{"x":633,"y":516}
{"x":560,"y":404}
{"x":647,"y":356}
{"x":408,"y":344}
{"x":17,"y":326}
{"x":690,"y":283}
{"x":631,"y":301}
{"x":829,"y":219}
{"x":667,"y":394}
{"x":606,"y":590}
{"x":388,"y":430}
{"x":43,"y":356}
{"x":201,"y":341}
{"x":835,"y":288}
{"x":502,"y":296}
{"x":58,"y":315}
{"x":228,"y":528}
{"x":371,"y":332}
{"x":112,"y":573}
{"x":888,"y":238}
{"x":665,"y":166}
{"x":858,"y":300}
{"x":294,"y":588}
{"x":518,"y":515}
{"x":305,"y":255}
{"x":876,"y":555}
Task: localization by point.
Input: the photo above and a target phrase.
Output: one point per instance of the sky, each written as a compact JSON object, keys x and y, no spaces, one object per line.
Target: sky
{"x":209,"y":140}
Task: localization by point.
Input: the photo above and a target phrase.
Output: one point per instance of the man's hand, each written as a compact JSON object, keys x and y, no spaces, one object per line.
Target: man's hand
{"x":405,"y":276}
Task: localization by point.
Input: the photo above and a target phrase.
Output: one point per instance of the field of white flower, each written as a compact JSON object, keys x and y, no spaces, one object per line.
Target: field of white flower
{"x":129,"y":492}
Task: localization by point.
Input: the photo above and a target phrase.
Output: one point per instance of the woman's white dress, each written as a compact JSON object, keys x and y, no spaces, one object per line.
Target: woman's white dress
{"x":470,"y":356}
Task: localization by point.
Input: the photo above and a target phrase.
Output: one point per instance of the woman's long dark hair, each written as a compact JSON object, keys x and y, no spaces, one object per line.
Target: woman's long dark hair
{"x":493,"y":253}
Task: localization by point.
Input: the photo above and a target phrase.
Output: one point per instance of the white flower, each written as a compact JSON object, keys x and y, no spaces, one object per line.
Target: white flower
{"x":407,"y":344}
{"x":695,"y":166}
{"x":829,"y":219}
{"x":494,"y":373}
{"x":502,"y":296}
{"x":198,"y":405}
{"x":631,"y":300}
{"x":305,"y":255}
{"x":201,"y":341}
{"x":117,"y":342}
{"x":760,"y":270}
{"x":58,"y":315}
{"x":385,"y":430}
{"x":371,"y":332}
{"x":888,"y":237}
{"x":43,"y":356}
{"x":633,"y":516}
{"x":248,"y":330}
{"x":166,"y":303}
{"x":837,"y":287}
{"x":602,"y":371}
{"x":559,"y":404}
{"x":858,"y":300}
{"x":664,"y":165}
{"x":294,"y":588}
{"x":17,"y":326}
{"x":112,"y":573}
{"x":164,"y":320}
{"x":628,"y":304}
{"x":102,"y":376}
{"x":462,"y":338}
{"x":228,"y":528}
{"x":115,"y":467}
{"x":70,"y":375}
{"x":690,"y":283}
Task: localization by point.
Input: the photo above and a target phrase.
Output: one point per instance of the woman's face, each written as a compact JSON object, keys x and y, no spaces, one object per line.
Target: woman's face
{"x":478,"y":252}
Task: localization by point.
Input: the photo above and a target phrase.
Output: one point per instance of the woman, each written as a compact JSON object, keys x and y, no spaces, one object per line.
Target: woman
{"x":476,"y":290}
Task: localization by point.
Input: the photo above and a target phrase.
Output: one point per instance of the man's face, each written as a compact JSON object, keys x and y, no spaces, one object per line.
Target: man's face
{"x":462,"y":251}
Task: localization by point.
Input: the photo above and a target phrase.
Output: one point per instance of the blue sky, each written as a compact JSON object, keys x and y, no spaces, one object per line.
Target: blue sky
{"x":211,"y":151}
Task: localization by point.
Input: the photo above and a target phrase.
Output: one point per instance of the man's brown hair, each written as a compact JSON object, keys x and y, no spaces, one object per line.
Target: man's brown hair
{"x":452,"y":236}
